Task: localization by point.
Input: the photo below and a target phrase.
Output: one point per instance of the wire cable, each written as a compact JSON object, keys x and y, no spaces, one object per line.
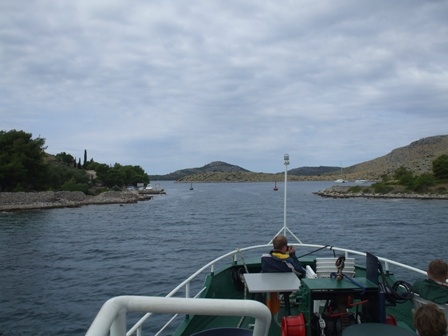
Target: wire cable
{"x":394,"y":294}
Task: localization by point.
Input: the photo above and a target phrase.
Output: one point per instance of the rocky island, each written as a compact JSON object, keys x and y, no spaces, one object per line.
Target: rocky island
{"x":15,"y":201}
{"x":347,"y":192}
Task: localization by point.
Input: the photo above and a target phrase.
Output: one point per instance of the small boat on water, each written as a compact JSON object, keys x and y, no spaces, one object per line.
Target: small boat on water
{"x":361,"y":181}
{"x":149,"y":189}
{"x":342,"y":289}
{"x":341,"y":181}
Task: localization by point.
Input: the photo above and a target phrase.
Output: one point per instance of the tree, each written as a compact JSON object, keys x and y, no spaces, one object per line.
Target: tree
{"x":73,"y":185}
{"x":423,"y":182}
{"x":85,"y":159}
{"x":58,"y":175}
{"x":440,"y":167}
{"x":66,"y":158}
{"x":134,"y":175}
{"x":22,"y":165}
{"x":115,"y":176}
{"x":404,"y":176}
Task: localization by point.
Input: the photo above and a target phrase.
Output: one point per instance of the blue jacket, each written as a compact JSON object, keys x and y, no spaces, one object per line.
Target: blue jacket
{"x":281,"y":262}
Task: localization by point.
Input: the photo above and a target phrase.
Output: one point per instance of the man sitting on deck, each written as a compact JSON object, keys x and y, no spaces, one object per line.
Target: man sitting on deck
{"x":282,"y":258}
{"x":434,"y":288}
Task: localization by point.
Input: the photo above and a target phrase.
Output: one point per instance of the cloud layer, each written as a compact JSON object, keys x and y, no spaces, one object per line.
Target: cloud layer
{"x":174,"y":84}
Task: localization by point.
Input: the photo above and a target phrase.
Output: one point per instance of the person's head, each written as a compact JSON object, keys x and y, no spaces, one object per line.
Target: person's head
{"x":280,"y":243}
{"x":429,"y":320}
{"x":438,"y":270}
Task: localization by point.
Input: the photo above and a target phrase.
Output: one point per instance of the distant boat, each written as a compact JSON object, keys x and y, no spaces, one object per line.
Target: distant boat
{"x":341,"y":180}
{"x":275,"y":187}
{"x":150,"y":190}
{"x":361,"y":181}
{"x":191,"y":186}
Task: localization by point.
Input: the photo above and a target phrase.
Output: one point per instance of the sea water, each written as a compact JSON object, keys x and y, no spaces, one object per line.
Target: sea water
{"x":57,"y":267}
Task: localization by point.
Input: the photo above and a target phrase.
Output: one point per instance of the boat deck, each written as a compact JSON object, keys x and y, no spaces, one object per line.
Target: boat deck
{"x":317,"y":291}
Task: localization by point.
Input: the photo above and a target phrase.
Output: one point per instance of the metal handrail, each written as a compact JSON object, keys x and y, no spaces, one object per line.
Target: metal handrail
{"x":112,"y":315}
{"x":187,"y":282}
{"x":137,"y":328}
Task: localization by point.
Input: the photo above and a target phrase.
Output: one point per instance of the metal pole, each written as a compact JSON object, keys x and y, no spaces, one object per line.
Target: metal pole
{"x":286,"y":158}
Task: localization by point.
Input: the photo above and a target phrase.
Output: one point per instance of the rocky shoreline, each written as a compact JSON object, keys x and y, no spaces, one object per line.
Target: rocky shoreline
{"x":17,"y":201}
{"x":342,"y":192}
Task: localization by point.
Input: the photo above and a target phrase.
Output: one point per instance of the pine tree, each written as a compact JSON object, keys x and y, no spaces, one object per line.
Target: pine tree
{"x":85,"y":159}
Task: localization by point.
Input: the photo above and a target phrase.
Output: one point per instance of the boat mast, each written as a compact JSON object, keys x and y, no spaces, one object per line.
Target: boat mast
{"x":286,"y":158}
{"x":285,"y":228}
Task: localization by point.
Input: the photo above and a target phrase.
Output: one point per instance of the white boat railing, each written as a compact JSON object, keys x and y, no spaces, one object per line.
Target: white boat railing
{"x":186,"y":284}
{"x":112,"y":316}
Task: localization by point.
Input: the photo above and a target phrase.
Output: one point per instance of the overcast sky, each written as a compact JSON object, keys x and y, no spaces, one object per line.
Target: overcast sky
{"x":169,"y":85}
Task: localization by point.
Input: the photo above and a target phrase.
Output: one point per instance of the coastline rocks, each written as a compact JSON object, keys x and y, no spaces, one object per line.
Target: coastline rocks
{"x":343,"y":192}
{"x":14,"y":201}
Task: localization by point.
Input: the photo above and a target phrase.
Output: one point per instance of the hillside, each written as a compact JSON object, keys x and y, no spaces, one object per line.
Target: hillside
{"x":313,"y":171}
{"x":416,"y":157}
{"x":213,"y":167}
{"x":225,"y":172}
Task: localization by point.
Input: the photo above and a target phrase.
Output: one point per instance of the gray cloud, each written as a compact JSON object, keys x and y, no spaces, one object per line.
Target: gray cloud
{"x":169,"y":85}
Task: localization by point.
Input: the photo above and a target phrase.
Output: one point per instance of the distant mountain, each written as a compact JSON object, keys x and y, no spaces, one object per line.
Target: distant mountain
{"x":221,"y":170}
{"x":416,"y":157}
{"x":213,"y":167}
{"x":313,"y":171}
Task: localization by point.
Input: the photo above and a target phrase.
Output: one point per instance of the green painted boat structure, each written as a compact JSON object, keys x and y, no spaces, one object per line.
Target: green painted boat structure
{"x":224,"y":280}
{"x":224,"y":284}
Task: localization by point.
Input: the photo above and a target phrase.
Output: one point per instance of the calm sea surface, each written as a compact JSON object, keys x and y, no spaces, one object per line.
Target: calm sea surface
{"x":57,"y":267}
